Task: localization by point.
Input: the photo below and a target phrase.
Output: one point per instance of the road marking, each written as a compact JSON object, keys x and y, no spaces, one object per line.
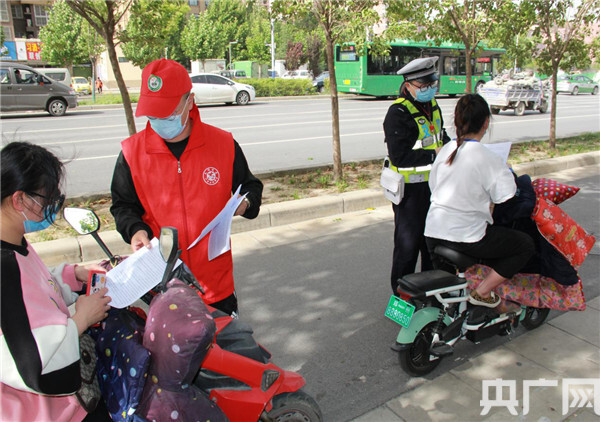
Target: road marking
{"x":100,"y":157}
{"x":82,"y":141}
{"x":69,"y":128}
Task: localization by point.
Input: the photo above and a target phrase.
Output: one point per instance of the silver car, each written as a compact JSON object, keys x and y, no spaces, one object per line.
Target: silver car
{"x":23,"y":88}
{"x":211,"y":88}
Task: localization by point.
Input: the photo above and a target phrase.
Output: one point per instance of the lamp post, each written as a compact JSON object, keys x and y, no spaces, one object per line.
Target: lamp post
{"x":230,"y":60}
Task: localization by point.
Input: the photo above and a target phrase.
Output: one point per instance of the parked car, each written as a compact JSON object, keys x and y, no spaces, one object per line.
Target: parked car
{"x":319,"y":81}
{"x":23,"y":88}
{"x":211,"y":88}
{"x":81,"y":85}
{"x":576,"y":84}
{"x":59,"y":74}
{"x":234,"y":74}
{"x":297,"y":74}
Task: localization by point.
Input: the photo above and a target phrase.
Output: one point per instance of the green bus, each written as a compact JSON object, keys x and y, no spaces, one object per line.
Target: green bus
{"x":376,"y":75}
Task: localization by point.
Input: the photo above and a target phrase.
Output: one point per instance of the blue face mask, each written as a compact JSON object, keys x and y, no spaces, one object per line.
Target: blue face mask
{"x":50,"y":213}
{"x":169,"y":127}
{"x":427,"y":95}
{"x":36,"y":226}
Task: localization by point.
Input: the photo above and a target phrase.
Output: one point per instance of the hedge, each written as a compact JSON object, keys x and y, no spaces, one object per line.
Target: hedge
{"x":277,"y":87}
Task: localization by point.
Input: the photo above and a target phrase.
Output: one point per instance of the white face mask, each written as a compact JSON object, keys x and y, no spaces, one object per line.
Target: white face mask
{"x":169,"y":127}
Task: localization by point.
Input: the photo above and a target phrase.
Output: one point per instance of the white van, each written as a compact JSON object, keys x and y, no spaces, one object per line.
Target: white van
{"x":59,"y":74}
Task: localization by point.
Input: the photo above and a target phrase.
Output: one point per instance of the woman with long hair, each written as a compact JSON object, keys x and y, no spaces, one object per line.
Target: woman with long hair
{"x":466,"y":180}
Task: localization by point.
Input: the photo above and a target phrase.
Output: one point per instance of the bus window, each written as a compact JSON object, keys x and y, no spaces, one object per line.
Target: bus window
{"x":450,"y":65}
{"x":483,"y":66}
{"x":346,"y":53}
{"x":388,"y":65}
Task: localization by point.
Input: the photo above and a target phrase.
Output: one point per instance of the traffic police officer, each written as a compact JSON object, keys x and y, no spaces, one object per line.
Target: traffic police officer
{"x":414,"y":132}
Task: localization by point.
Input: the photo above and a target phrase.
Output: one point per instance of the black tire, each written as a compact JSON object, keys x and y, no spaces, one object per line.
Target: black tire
{"x":452,"y":95}
{"x":57,"y":107}
{"x":295,"y":407}
{"x":495,"y":110}
{"x":595,"y":91}
{"x":534,"y":317}
{"x":543,"y":107}
{"x":415,"y":360}
{"x":520,"y":108}
{"x":575,"y":91}
{"x":242,"y":98}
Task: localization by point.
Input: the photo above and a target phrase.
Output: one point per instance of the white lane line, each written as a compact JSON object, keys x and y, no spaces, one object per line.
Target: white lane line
{"x":82,"y":141}
{"x":283,"y":141}
{"x":100,"y":157}
{"x":69,"y":128}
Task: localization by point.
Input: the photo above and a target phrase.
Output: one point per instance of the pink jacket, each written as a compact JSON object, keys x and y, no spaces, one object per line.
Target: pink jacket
{"x":39,"y":342}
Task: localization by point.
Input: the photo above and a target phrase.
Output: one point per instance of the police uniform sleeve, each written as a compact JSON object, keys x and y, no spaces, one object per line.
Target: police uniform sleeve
{"x":250,"y":184}
{"x":401,"y":133}
{"x":126,"y":208}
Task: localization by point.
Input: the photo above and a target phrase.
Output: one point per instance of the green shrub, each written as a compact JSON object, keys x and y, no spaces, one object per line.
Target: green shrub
{"x":109,"y":99}
{"x":276,"y":87}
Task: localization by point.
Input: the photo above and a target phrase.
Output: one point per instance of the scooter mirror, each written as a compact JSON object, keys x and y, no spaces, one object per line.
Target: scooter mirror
{"x":84,"y":221}
{"x":168,"y":243}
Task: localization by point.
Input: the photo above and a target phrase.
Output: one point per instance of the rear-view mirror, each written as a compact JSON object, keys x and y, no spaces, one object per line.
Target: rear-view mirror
{"x":83,"y":221}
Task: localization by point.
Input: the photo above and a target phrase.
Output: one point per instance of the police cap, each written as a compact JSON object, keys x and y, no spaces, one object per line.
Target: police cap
{"x":422,"y":70}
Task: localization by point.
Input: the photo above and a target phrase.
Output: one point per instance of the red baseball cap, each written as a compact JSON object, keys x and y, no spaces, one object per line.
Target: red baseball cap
{"x":163,"y":84}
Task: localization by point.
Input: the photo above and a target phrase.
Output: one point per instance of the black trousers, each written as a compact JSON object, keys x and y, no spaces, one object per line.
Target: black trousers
{"x":409,"y":225}
{"x":505,"y":250}
{"x":229,"y":305}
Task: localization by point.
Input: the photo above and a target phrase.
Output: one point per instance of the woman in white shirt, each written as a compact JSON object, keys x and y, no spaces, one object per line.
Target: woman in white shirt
{"x":466,"y":180}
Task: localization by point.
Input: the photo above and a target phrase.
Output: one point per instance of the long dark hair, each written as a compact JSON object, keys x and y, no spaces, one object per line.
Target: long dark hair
{"x":470,"y":115}
{"x":32,"y":169}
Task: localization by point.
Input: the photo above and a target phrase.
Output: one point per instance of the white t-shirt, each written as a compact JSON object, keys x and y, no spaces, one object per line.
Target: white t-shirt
{"x":462,"y":192}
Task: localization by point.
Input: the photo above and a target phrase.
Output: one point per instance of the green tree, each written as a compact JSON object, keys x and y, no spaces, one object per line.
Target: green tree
{"x":466,"y":21}
{"x":259,"y":36}
{"x":92,"y":45}
{"x":314,"y":52}
{"x":231,"y":17}
{"x":341,"y":21}
{"x":61,"y":35}
{"x":151,"y":30}
{"x":561,"y":26}
{"x":202,"y":39}
{"x":105,"y":17}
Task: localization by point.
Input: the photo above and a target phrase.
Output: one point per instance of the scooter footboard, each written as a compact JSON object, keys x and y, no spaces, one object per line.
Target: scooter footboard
{"x":419,"y":320}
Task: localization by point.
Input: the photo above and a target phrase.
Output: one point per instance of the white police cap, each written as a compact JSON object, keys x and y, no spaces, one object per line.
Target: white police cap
{"x":423,"y":69}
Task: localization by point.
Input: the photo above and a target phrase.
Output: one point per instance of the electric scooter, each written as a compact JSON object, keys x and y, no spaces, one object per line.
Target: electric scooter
{"x":435,"y":314}
{"x":237,"y":373}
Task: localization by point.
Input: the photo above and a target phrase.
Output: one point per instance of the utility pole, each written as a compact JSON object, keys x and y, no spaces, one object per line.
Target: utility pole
{"x":272,"y":42}
{"x":230,"y":58}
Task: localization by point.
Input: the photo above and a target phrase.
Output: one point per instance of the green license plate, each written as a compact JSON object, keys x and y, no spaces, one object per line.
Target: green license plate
{"x":400,"y":311}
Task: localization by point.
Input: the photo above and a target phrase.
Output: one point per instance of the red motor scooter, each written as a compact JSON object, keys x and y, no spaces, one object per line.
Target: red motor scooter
{"x":237,"y":373}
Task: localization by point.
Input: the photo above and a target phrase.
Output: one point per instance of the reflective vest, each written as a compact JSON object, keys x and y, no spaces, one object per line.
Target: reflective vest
{"x":430,"y":137}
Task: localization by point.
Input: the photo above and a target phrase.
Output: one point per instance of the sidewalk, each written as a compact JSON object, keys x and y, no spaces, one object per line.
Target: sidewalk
{"x":566,"y":348}
{"x":563,"y":349}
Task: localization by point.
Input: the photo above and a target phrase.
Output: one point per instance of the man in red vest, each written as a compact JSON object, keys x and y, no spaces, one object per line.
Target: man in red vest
{"x":181,"y":172}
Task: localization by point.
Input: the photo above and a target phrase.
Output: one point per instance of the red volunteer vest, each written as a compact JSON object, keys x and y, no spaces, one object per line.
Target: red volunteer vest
{"x":187,"y":194}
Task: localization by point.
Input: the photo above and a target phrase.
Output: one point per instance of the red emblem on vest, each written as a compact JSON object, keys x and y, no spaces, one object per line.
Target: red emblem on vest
{"x":211,"y":176}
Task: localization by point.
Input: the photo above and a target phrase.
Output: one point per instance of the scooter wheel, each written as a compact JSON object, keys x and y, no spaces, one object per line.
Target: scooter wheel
{"x":534,"y":317}
{"x":295,"y":407}
{"x":416,"y":359}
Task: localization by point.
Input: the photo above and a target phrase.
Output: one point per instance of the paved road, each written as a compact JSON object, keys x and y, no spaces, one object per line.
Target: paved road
{"x":316,"y":298}
{"x":275,"y":135}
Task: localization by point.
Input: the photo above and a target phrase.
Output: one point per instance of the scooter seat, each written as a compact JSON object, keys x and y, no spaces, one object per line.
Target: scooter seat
{"x":428,"y":280}
{"x":459,"y":259}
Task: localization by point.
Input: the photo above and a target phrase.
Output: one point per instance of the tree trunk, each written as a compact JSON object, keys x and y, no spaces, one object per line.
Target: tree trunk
{"x":469,"y":68}
{"x":338,"y":172}
{"x":552,"y":138}
{"x":112,"y":55}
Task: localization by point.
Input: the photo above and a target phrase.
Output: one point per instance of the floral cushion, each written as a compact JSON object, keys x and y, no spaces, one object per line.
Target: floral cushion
{"x":572,"y":241}
{"x":533,"y":290}
{"x":553,"y":190}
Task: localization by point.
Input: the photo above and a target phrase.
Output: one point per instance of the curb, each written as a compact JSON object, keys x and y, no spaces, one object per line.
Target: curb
{"x":84,"y":248}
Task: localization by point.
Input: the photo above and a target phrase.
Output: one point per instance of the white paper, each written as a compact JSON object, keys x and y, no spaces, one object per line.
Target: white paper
{"x":220,"y":228}
{"x":501,"y":149}
{"x":135,"y":276}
